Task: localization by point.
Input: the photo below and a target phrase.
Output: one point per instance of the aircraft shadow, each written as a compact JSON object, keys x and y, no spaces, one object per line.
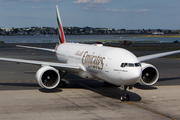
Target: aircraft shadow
{"x":93,"y":85}
{"x":166,"y":79}
{"x":27,"y":86}
{"x":99,"y":87}
{"x":32,"y":85}
{"x":50,"y":91}
{"x":144,"y":87}
{"x":160,"y":82}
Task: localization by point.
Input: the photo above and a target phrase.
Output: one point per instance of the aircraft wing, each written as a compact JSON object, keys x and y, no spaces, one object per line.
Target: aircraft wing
{"x":153,"y":56}
{"x":46,"y":49}
{"x":62,"y":66}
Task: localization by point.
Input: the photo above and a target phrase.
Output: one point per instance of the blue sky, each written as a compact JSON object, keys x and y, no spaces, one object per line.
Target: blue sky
{"x":128,"y":14}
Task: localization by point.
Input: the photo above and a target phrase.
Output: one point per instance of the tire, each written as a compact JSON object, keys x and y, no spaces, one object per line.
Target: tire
{"x":122,"y":98}
{"x":127,"y":97}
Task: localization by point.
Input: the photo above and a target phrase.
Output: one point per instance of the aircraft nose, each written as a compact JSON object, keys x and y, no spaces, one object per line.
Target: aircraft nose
{"x":133,"y":77}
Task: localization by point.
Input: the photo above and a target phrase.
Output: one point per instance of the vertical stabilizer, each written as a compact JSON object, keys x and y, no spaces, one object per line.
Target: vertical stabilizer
{"x":60,"y":27}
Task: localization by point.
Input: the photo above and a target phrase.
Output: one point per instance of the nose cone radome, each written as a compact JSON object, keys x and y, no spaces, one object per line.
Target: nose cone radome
{"x":133,"y":76}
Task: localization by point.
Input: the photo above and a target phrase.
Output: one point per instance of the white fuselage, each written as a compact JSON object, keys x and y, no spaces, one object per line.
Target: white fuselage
{"x":100,"y":62}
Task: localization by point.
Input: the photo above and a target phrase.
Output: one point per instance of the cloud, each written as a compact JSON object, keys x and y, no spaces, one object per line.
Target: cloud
{"x":40,"y":8}
{"x":129,"y":11}
{"x":82,"y":1}
{"x":92,"y":1}
{"x":101,"y":1}
{"x":113,"y":10}
{"x":141,"y":10}
{"x":95,"y":5}
{"x":29,"y":1}
{"x":56,"y":0}
{"x":21,"y":0}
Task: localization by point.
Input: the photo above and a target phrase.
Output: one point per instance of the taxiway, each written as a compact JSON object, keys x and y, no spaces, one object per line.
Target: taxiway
{"x":22,"y":99}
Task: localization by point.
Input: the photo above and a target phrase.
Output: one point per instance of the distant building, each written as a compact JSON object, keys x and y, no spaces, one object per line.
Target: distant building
{"x":8,"y":29}
{"x":158,"y":33}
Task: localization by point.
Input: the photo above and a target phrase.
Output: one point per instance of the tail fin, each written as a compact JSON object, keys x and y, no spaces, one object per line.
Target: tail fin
{"x":60,"y":28}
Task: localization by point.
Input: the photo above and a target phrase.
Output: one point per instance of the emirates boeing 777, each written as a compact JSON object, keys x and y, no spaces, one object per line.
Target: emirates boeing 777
{"x":116,"y":66}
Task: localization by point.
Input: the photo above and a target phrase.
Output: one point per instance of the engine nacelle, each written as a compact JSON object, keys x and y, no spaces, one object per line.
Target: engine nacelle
{"x":149,"y":75}
{"x":48,"y":77}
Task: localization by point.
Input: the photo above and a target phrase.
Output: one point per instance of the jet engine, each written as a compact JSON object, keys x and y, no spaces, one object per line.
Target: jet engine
{"x":48,"y":77}
{"x":149,"y":75}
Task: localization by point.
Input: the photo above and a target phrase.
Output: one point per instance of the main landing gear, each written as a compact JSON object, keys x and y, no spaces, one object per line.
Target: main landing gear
{"x":125,"y":96}
{"x":62,"y":83}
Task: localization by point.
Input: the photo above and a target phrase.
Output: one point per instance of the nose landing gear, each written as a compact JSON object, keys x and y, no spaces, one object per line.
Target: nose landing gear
{"x":125,"y":96}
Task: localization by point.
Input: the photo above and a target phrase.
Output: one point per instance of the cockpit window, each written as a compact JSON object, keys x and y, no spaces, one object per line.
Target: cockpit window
{"x":137,"y":64}
{"x":124,"y":64}
{"x":130,"y":64}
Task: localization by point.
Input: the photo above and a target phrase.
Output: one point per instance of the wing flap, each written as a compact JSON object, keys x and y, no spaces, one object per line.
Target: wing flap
{"x":66,"y":67}
{"x":153,"y":56}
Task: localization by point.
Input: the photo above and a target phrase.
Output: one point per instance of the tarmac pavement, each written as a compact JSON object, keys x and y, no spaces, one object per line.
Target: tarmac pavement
{"x":21,"y":98}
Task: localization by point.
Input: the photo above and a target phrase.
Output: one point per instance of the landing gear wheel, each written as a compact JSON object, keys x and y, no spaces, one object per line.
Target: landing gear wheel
{"x":125,"y":96}
{"x":122,"y":98}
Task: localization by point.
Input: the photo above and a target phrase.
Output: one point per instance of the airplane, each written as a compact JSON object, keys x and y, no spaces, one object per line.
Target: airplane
{"x":112,"y":65}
